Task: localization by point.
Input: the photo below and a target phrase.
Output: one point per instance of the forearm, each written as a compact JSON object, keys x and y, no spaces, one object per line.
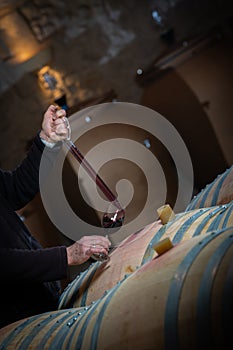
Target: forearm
{"x":19,"y":186}
{"x":34,"y":266}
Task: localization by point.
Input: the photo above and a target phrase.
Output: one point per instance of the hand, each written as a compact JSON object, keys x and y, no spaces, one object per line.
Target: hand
{"x":54,"y":127}
{"x":81,"y":251}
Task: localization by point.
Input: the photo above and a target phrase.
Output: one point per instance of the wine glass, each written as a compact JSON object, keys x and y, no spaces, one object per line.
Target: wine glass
{"x":112,"y":218}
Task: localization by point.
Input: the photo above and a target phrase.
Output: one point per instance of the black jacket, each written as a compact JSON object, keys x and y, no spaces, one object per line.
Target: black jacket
{"x":29,"y":273}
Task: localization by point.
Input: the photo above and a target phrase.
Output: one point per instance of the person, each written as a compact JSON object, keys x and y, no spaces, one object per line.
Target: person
{"x":30,"y":273}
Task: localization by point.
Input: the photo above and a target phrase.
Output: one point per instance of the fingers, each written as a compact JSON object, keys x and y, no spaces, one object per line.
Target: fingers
{"x":60,"y":113}
{"x":55,"y":126}
{"x":52,"y":109}
{"x":96,"y":250}
{"x":95,"y":245}
{"x":62,"y":128}
{"x":54,"y":112}
{"x":61,"y":124}
{"x":60,"y":121}
{"x":84,"y":248}
{"x":99,"y":249}
{"x":51,"y":112}
{"x":97,"y":241}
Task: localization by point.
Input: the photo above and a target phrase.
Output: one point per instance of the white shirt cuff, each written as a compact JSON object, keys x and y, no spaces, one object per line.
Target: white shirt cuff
{"x":48,"y":144}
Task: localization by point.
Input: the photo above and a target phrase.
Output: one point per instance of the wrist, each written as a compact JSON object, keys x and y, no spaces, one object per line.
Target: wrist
{"x":69,"y":256}
{"x":46,"y":140}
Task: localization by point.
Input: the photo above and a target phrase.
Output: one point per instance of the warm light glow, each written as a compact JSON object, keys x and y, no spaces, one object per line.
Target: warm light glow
{"x":47,"y":78}
{"x":23,"y":56}
{"x":51,"y":82}
{"x":18,"y":38}
{"x":53,"y":86}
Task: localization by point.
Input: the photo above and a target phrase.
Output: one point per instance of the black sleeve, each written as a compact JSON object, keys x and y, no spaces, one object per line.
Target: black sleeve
{"x":19,"y":186}
{"x":41,"y":265}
